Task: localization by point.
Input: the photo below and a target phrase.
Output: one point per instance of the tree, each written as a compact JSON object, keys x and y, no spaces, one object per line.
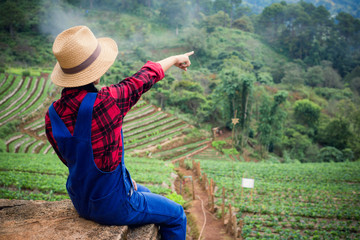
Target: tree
{"x":188,"y":95}
{"x":307,"y":112}
{"x":227,"y":6}
{"x":336,"y":134}
{"x":294,"y":75}
{"x":211,"y":22}
{"x":235,"y":91}
{"x":271,"y":19}
{"x":330,"y":154}
{"x":174,"y":13}
{"x":314,"y":76}
{"x":12,"y":16}
{"x":271,"y":120}
{"x":244,"y":23}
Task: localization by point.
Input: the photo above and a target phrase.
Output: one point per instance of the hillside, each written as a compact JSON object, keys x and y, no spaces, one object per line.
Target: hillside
{"x":334,"y":6}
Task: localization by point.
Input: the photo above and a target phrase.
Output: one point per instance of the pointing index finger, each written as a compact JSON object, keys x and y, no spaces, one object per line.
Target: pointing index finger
{"x":189,"y":53}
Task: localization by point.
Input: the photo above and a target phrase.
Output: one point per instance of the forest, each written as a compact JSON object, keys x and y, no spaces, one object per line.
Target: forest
{"x":290,"y":74}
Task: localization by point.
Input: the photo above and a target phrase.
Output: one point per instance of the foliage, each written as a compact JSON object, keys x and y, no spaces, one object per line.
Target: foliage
{"x":235,"y":91}
{"x":336,"y":134}
{"x":307,"y":112}
{"x":176,"y":198}
{"x":211,"y":22}
{"x":8,"y":129}
{"x":218,"y":145}
{"x":244,"y":23}
{"x":271,"y":120}
{"x":330,"y":154}
{"x":299,"y":29}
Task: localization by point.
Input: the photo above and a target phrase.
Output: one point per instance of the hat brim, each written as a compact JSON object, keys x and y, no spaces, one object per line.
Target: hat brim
{"x":103,"y":62}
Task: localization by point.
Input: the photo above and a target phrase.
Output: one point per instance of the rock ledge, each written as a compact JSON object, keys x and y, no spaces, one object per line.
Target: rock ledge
{"x":23,"y":219}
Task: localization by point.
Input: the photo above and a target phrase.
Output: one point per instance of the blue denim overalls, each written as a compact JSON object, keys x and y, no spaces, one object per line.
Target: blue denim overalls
{"x":108,"y":197}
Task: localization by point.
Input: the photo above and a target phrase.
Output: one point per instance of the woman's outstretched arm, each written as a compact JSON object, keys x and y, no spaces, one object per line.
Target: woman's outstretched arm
{"x":181,"y":61}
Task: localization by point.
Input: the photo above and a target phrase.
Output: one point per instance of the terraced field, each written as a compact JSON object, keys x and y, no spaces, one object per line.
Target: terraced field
{"x":146,"y":129}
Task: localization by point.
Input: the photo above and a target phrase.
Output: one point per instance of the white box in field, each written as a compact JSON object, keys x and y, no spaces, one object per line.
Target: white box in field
{"x":247,"y":183}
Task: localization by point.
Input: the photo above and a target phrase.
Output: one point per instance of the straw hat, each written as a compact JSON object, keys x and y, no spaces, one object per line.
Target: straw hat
{"x":81,"y":58}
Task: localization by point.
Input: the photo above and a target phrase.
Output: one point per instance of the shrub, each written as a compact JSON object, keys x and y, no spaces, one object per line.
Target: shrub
{"x":336,"y":134}
{"x":330,"y":154}
{"x":231,"y":151}
{"x":348,"y":154}
{"x":25,"y":73}
{"x":176,"y":198}
{"x":244,"y":23}
{"x":307,"y":112}
{"x":218,"y":145}
{"x":8,"y":129}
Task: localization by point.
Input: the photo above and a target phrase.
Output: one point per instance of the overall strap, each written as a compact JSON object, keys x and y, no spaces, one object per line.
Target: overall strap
{"x":123,"y":150}
{"x":58,"y":126}
{"x":84,"y":117}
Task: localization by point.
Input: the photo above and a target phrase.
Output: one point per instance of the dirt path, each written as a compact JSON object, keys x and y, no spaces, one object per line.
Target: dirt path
{"x":214,"y":228}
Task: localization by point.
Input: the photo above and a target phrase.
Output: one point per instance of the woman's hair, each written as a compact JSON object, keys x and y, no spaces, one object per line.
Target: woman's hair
{"x":89,"y":88}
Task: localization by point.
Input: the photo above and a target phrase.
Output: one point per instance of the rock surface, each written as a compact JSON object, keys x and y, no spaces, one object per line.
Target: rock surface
{"x":22,"y":219}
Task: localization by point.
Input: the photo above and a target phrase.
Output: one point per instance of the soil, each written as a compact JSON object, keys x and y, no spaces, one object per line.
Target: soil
{"x":214,"y":228}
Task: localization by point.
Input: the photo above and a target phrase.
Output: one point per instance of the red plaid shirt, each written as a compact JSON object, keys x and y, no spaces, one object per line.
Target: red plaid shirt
{"x":110,"y":107}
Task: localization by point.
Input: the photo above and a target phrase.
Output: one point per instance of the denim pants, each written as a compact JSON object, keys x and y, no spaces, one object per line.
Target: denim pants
{"x":147,"y":207}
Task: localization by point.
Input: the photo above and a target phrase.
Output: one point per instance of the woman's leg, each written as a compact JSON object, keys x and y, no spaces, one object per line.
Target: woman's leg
{"x":152,"y":208}
{"x":142,"y":188}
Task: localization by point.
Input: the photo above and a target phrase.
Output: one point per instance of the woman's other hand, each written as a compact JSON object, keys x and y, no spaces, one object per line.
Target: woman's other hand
{"x":134,"y":184}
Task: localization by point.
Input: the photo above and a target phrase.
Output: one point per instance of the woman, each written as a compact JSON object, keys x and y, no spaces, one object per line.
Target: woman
{"x":85,"y":129}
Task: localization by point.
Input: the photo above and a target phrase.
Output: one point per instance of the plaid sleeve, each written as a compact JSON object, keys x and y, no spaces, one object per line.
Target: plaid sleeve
{"x":127,"y":92}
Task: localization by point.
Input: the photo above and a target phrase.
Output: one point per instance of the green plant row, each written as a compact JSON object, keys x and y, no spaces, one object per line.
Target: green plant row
{"x":24,"y":148}
{"x":156,"y":128}
{"x":157,"y":116}
{"x":37,"y":163}
{"x":10,"y":106}
{"x":33,"y":181}
{"x":156,"y":138}
{"x":30,"y":195}
{"x":3,"y":79}
{"x":15,"y":92}
{"x":24,"y":102}
{"x":302,"y":223}
{"x":138,"y":112}
{"x":40,"y":98}
{"x":292,"y":199}
{"x":36,"y":146}
{"x":180,"y":149}
{"x":35,"y":124}
{"x":139,"y":104}
{"x":9,"y":85}
{"x":189,"y":152}
{"x":149,"y":127}
{"x":15,"y":146}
